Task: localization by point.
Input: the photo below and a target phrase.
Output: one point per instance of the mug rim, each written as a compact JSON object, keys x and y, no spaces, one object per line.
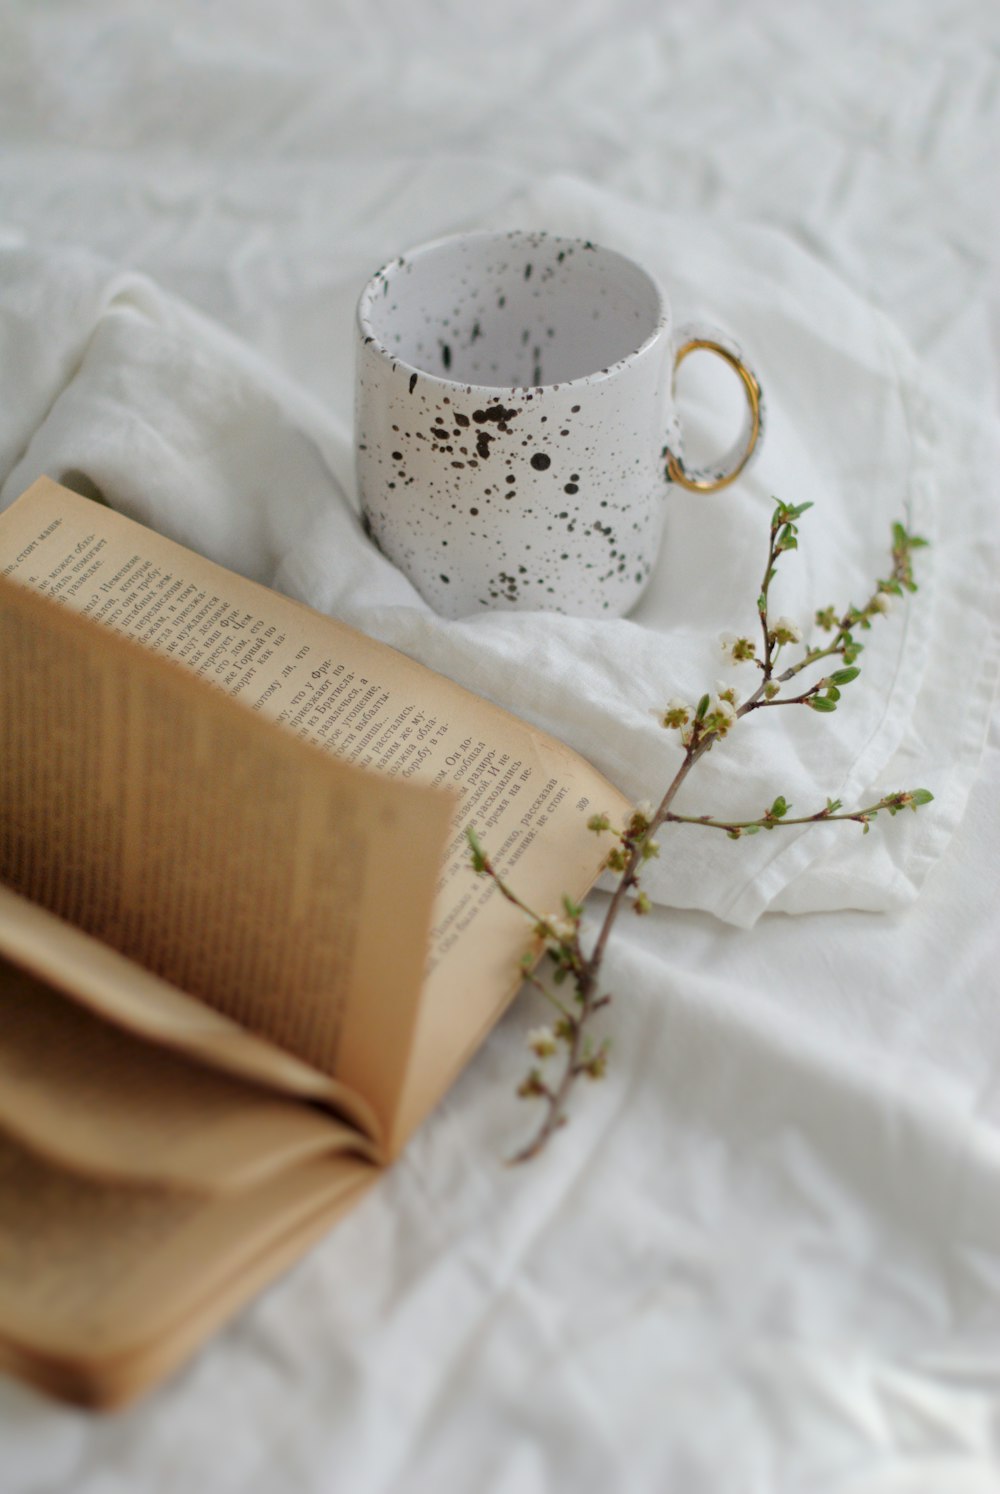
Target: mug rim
{"x":385,"y":274}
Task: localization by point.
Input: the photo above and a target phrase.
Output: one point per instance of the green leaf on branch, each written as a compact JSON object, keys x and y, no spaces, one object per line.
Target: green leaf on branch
{"x":701,"y":708}
{"x":820,"y":703}
{"x":844,"y":676}
{"x":786,"y":513}
{"x":480,"y":862}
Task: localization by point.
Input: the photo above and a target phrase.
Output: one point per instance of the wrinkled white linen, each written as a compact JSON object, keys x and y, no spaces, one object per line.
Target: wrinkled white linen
{"x":182,"y":427}
{"x":765,"y":1255}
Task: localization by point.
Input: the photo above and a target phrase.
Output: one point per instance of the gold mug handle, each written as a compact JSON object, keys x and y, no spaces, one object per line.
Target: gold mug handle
{"x":720,"y":474}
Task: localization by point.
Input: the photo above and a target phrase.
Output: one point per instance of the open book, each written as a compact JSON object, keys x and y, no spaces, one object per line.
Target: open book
{"x":242,"y":949}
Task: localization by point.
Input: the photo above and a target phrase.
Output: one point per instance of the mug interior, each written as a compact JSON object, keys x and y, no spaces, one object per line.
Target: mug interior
{"x":511,"y":310}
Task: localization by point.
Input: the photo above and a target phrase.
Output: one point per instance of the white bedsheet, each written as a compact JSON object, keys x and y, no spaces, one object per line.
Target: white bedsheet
{"x":766,"y":1254}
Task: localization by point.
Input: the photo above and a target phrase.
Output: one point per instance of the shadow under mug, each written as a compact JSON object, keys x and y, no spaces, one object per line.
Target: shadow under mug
{"x":516,"y":428}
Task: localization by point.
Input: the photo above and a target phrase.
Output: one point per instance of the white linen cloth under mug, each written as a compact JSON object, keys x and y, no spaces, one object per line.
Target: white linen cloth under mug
{"x":183,"y":427}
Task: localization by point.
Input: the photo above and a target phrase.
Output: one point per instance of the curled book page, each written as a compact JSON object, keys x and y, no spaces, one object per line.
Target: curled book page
{"x":235,"y":862}
{"x":154,"y":1269}
{"x":337,"y":915}
{"x":91,"y":1097}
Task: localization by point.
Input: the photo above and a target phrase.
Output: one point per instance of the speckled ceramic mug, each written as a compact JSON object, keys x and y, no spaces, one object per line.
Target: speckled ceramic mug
{"x":516,"y":430}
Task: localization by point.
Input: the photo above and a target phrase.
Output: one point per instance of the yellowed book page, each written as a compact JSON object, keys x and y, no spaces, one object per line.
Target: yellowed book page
{"x":103,"y":1288}
{"x":128,"y":995}
{"x":529,"y":796}
{"x":468,"y":986}
{"x":92,"y":1098}
{"x":241,"y":865}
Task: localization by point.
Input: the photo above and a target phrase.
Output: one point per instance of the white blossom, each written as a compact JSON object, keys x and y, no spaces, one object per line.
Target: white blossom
{"x":786,"y":630}
{"x":562,"y":930}
{"x":542,"y":1042}
{"x":738,"y":648}
{"x":675,"y":714}
{"x":880,"y":602}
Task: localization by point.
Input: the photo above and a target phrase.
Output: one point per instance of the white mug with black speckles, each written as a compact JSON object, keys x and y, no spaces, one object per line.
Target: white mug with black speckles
{"x":516,"y":432}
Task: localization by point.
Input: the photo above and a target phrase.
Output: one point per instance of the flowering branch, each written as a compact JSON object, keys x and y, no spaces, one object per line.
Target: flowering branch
{"x":700,"y":728}
{"x":778,"y":814}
